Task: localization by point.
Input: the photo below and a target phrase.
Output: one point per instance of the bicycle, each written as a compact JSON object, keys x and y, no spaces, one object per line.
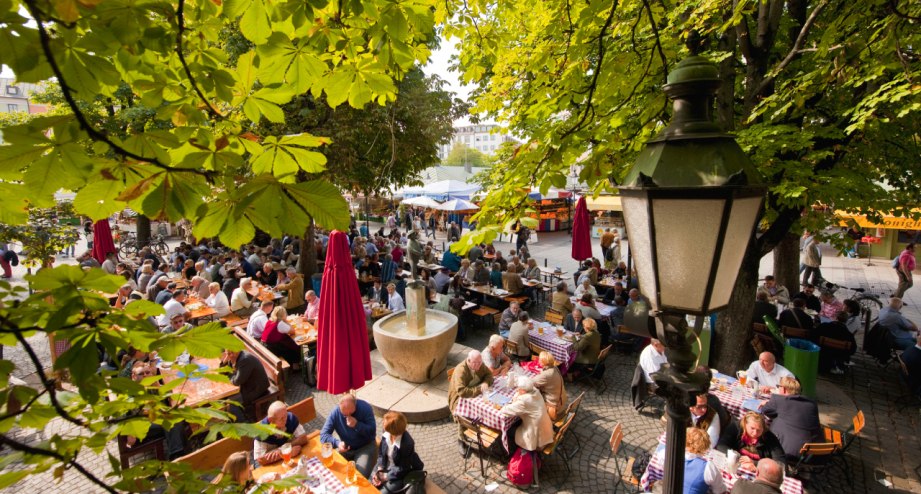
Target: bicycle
{"x":129,"y":245}
{"x":870,"y":304}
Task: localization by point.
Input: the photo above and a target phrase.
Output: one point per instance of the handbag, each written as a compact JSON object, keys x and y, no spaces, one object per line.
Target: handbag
{"x":521,"y":468}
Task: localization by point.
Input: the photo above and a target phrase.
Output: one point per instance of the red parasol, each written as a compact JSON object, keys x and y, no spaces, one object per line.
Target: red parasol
{"x":102,"y":240}
{"x":343,"y":356}
{"x":581,"y":236}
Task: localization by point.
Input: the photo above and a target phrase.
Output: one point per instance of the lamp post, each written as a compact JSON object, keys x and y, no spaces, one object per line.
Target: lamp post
{"x":690,"y":203}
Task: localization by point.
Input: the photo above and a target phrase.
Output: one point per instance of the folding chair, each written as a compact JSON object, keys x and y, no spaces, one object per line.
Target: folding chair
{"x":571,"y":409}
{"x":814,"y":460}
{"x":912,"y":397}
{"x":595,"y":374}
{"x":625,"y":475}
{"x":557,"y":443}
{"x":844,"y":441}
{"x":480,"y":437}
{"x":553,"y":316}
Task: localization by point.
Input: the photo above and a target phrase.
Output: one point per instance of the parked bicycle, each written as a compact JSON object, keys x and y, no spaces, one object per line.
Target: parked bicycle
{"x":870,"y":304}
{"x":129,"y":245}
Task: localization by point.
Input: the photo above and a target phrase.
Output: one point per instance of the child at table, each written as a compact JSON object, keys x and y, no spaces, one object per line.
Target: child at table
{"x":396,"y":457}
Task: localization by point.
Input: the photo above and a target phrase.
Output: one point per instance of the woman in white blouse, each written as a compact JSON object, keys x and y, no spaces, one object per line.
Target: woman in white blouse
{"x":217,"y":300}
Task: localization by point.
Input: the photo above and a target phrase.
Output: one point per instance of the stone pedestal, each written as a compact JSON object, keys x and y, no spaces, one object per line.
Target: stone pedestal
{"x":415,"y":308}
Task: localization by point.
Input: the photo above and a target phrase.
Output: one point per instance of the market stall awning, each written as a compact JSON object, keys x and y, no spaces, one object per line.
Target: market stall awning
{"x":458,"y":205}
{"x":422,"y":201}
{"x":603,"y":203}
{"x":888,"y":222}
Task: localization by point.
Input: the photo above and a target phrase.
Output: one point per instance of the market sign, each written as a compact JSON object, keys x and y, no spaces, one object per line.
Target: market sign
{"x":889,"y":222}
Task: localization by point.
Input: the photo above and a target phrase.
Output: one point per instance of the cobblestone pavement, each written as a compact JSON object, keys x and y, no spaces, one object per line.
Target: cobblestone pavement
{"x":889,"y":448}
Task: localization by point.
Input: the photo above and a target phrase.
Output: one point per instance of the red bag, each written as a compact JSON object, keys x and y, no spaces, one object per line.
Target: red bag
{"x":521,"y":468}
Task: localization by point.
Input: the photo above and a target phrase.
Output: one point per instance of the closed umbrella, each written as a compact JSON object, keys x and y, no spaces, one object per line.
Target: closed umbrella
{"x":581,"y":235}
{"x":102,"y":240}
{"x":343,"y":357}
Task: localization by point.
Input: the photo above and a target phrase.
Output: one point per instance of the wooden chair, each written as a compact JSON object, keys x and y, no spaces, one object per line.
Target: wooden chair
{"x":153,"y":445}
{"x":304,"y":410}
{"x":833,"y":344}
{"x":595,"y":373}
{"x":553,"y":316}
{"x":557,"y":443}
{"x":844,"y":439}
{"x":450,"y":373}
{"x":625,"y":477}
{"x":511,"y":349}
{"x":760,"y":328}
{"x":478,"y":436}
{"x":791,"y":332}
{"x":275,"y":368}
{"x":572,"y":409}
{"x":261,"y":405}
{"x":814,"y":460}
{"x":535,"y":350}
{"x":213,"y":455}
{"x":912,"y":397}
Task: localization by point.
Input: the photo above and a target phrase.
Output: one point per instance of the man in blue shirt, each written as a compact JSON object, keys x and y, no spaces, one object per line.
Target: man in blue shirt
{"x":388,"y":268}
{"x":903,"y":331}
{"x":451,"y":260}
{"x":353,"y":422}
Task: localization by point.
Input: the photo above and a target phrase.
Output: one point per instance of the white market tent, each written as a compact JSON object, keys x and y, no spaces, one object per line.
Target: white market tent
{"x":458,"y":205}
{"x":422,"y":201}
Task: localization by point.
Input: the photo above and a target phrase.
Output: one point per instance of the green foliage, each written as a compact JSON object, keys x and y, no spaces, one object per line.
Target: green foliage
{"x":44,"y":235}
{"x":182,"y":110}
{"x":462,"y":155}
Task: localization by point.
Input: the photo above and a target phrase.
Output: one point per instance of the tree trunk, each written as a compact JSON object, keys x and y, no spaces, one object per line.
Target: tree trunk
{"x":730,"y":349}
{"x":143,"y":229}
{"x":307,"y":261}
{"x":786,"y":263}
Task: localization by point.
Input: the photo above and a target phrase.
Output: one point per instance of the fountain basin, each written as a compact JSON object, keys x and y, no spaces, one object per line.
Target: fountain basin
{"x":411,"y":357}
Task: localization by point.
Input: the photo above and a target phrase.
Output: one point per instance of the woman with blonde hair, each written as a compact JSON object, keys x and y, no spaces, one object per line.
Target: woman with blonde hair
{"x":238,"y":469}
{"x":277,"y":337}
{"x":550,"y":384}
{"x":752,"y":439}
{"x":700,"y":475}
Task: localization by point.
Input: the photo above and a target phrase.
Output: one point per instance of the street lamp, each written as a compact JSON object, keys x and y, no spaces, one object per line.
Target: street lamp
{"x":690,"y":204}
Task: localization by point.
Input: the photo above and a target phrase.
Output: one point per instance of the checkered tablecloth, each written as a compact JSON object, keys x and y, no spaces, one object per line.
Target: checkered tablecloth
{"x":316,"y":469}
{"x":562,"y":350}
{"x":481,"y":409}
{"x":733,"y":397}
{"x":655,"y":472}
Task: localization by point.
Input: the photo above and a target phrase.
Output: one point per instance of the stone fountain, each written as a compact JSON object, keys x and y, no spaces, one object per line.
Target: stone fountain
{"x":414,"y":344}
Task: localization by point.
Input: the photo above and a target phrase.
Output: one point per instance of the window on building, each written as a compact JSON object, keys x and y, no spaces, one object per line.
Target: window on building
{"x":12,"y":107}
{"x":12,"y":90}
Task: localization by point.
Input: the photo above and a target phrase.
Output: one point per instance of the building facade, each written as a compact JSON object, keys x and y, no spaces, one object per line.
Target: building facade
{"x":14,"y":97}
{"x":483,"y":138}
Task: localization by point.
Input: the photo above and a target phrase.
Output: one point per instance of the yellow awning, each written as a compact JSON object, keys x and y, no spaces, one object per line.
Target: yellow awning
{"x":889,"y":222}
{"x":604,"y":203}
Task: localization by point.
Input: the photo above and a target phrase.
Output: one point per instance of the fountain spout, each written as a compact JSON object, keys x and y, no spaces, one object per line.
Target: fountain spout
{"x":415,"y":308}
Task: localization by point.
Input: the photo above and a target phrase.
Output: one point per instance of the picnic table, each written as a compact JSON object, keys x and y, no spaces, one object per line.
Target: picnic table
{"x":551,"y":274}
{"x":198,"y":390}
{"x":488,"y":290}
{"x":559,"y":346}
{"x":262,"y":292}
{"x":656,"y":471}
{"x":485,"y":410}
{"x":734,"y":396}
{"x":603,"y":308}
{"x":609,"y":282}
{"x":303,"y":333}
{"x":333,"y":478}
{"x":199,"y":310}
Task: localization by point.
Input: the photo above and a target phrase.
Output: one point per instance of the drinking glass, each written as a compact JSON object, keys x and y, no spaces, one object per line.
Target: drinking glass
{"x":351,"y":473}
{"x":326,"y":454}
{"x":286,"y":453}
{"x":559,"y":332}
{"x":742,"y":376}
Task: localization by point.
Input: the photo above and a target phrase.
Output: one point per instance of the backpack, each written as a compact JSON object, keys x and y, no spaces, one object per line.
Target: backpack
{"x":895,"y":262}
{"x":640,"y":464}
{"x":521,"y":468}
{"x":11,"y":257}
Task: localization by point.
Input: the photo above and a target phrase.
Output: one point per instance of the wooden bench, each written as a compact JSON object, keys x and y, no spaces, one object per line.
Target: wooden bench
{"x":232,"y":320}
{"x":215,"y":454}
{"x":275,"y":367}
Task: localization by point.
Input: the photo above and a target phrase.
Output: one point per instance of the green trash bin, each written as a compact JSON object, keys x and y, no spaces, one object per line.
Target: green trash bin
{"x":801,"y":357}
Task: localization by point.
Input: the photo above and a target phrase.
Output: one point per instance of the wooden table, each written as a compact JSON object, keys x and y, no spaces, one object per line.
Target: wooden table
{"x":312,"y":450}
{"x":303,"y":332}
{"x":609,"y":282}
{"x":200,"y":391}
{"x":202,"y":312}
{"x":655,"y":471}
{"x":488,"y":290}
{"x":263,"y":293}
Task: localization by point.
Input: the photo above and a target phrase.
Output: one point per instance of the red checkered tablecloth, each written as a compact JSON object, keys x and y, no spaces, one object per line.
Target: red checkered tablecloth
{"x":655,"y":472}
{"x":316,"y":469}
{"x":562,"y":350}
{"x":482,"y":410}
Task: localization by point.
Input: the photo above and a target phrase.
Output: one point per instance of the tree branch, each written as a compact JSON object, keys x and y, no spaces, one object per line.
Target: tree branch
{"x":894,"y":6}
{"x":794,"y":50}
{"x":48,"y":385}
{"x":655,"y":32}
{"x":96,"y":135}
{"x":744,"y":35}
{"x":25,"y":448}
{"x":180,"y":21}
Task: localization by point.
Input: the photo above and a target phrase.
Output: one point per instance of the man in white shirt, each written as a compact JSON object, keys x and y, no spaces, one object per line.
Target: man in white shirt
{"x":173,"y":307}
{"x":259,"y":318}
{"x":394,"y":300}
{"x":767,"y":372}
{"x":651,"y":358}
{"x":585,"y":287}
{"x":109,"y":264}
